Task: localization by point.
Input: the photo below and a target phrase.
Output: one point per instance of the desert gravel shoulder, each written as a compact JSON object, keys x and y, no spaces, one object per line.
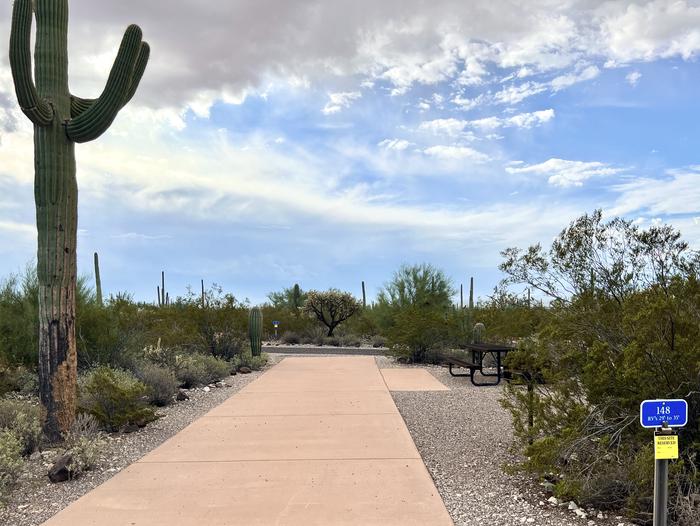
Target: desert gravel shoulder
{"x":465,"y":438}
{"x":36,"y":499}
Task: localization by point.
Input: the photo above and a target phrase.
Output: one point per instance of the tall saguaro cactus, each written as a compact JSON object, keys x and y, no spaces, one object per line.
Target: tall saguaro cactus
{"x":98,"y":281}
{"x":60,"y":120}
{"x":255,"y":321}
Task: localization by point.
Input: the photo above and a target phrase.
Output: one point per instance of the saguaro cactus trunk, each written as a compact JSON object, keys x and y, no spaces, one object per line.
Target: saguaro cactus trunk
{"x":60,"y":120}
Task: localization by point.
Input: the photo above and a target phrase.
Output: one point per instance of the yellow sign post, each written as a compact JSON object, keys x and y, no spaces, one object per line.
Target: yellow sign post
{"x":666,"y":447}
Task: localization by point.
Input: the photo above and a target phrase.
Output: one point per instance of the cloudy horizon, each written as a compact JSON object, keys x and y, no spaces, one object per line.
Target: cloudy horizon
{"x":325,"y":143}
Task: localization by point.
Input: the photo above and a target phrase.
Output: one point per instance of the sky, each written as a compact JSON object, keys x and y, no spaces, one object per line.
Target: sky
{"x":327,"y":142}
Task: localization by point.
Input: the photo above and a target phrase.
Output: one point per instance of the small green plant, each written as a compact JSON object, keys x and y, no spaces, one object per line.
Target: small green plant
{"x":378,"y":341}
{"x":84,"y":442}
{"x":10,"y":461}
{"x":290,"y":338}
{"x":24,"y":421}
{"x":198,"y":369}
{"x":254,"y":363}
{"x":116,"y":398}
{"x":161,"y":382}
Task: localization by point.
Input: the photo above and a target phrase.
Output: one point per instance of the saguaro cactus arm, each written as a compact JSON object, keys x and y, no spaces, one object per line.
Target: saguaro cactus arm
{"x":38,"y":109}
{"x":121,"y":85}
{"x":79,"y":105}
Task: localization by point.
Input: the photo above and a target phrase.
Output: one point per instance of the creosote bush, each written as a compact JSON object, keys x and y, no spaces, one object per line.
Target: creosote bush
{"x":24,"y":421}
{"x":115,"y":397}
{"x":161,"y":383}
{"x":84,"y":441}
{"x":290,"y":338}
{"x":255,"y":363}
{"x":10,"y":462}
{"x":198,"y":369}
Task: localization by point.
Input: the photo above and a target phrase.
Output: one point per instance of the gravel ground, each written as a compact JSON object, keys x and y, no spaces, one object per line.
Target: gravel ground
{"x":465,"y":438}
{"x":36,"y":498}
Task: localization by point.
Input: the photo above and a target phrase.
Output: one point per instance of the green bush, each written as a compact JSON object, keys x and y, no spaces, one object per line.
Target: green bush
{"x":161,"y":383}
{"x":24,"y":421}
{"x":115,"y":397}
{"x":418,"y":333}
{"x":255,"y":363}
{"x":378,"y":341}
{"x":290,"y":338}
{"x":198,"y":369}
{"x":10,"y":462}
{"x":84,"y":442}
{"x":624,"y":311}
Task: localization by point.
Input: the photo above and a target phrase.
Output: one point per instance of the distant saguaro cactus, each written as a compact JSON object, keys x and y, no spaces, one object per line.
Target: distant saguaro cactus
{"x":255,"y":321}
{"x":60,"y":120}
{"x":98,"y":281}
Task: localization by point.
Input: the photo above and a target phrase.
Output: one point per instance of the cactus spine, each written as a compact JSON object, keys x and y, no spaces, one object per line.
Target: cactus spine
{"x":98,"y":281}
{"x":255,"y":322}
{"x":60,"y":120}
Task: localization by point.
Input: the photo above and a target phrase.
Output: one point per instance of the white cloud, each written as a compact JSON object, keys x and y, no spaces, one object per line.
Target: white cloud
{"x":521,"y":120}
{"x":398,"y":145}
{"x":633,"y":77}
{"x":339,"y":101}
{"x":452,"y":127}
{"x":564,"y":173}
{"x":516,"y":94}
{"x":463,"y":153}
{"x":677,"y":192}
{"x":565,"y":81}
{"x":651,"y":30}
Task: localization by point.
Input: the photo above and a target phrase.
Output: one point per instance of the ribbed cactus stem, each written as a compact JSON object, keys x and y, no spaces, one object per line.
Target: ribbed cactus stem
{"x":471,"y":293}
{"x":255,"y":323}
{"x":461,"y":296}
{"x":98,"y":281}
{"x":59,"y":122}
{"x":364,"y":295}
{"x":478,"y":333}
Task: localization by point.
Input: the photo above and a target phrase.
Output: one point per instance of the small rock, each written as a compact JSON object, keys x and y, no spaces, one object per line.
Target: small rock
{"x":600,"y":515}
{"x":182,"y":396}
{"x":220,"y":384}
{"x":553,"y":500}
{"x":60,"y":471}
{"x":35,"y":456}
{"x":206,"y":389}
{"x":211,"y":386}
{"x":244,"y":370}
{"x":130,"y":428}
{"x":572,"y":505}
{"x":233,"y":373}
{"x":580,"y":513}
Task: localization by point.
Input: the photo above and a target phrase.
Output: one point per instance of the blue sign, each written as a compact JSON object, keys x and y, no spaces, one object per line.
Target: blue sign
{"x":275,"y":324}
{"x":654,"y":413}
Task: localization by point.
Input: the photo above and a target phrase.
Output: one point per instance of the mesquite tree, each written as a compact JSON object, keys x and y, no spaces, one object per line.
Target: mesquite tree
{"x":331,"y":307}
{"x":61,"y":120}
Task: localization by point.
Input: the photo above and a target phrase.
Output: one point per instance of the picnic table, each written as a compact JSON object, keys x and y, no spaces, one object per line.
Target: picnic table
{"x":478,"y":352}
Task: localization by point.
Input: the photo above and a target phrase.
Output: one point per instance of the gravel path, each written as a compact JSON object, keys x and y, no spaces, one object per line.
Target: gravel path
{"x":464,"y":437}
{"x":36,"y":499}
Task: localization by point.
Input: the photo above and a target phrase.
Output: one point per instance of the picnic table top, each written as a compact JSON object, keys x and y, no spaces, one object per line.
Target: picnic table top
{"x":489,"y":347}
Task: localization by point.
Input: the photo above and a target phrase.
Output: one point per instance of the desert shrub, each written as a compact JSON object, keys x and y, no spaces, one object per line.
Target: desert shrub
{"x":115,"y":397}
{"x":378,"y":341}
{"x":84,"y":441}
{"x":290,"y":338}
{"x":418,"y":333}
{"x":161,"y":383}
{"x":624,"y":311}
{"x":350,"y":340}
{"x":10,"y":461}
{"x":331,"y":307}
{"x":332,"y":341}
{"x":255,"y":363}
{"x":197,"y":369}
{"x":316,"y":335}
{"x":19,"y":379}
{"x":24,"y":421}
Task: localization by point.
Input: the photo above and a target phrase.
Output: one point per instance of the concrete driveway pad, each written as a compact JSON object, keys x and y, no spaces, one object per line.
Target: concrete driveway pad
{"x":411,"y":380}
{"x":313,"y":441}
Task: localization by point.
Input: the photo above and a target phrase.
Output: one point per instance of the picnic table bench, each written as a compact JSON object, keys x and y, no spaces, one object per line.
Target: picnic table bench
{"x":478,"y":352}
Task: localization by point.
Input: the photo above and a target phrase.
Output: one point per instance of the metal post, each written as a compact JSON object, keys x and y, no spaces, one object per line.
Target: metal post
{"x":660,"y":493}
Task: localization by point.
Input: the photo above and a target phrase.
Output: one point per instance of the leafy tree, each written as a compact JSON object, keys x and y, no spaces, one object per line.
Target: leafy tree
{"x":331,"y":307}
{"x":417,"y":286}
{"x":292,"y":298}
{"x":623,"y":325}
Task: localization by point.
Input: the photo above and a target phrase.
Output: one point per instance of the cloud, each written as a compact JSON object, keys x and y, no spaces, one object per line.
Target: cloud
{"x":339,"y":101}
{"x":633,"y":77}
{"x":461,"y":153}
{"x":565,"y":81}
{"x":564,"y":173}
{"x":676,"y":192}
{"x":456,"y":127}
{"x":451,"y":127}
{"x":394,"y":144}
